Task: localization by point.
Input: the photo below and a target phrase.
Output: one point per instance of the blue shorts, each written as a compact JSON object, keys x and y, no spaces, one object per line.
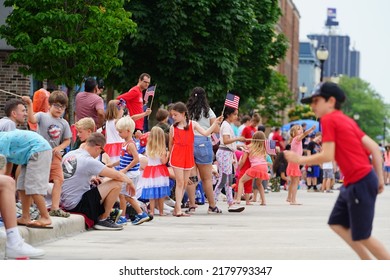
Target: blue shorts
{"x":355,"y":207}
{"x":314,"y":173}
{"x":203,"y":150}
{"x":386,"y":169}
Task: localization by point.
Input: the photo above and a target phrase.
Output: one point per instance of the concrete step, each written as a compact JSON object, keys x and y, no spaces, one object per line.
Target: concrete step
{"x":62,"y":227}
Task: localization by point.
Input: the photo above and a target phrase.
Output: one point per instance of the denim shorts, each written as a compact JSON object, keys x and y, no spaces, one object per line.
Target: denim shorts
{"x":355,"y":207}
{"x":386,"y":169}
{"x":203,"y":150}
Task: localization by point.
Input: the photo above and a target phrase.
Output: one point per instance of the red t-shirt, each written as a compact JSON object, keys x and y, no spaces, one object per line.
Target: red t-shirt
{"x":248,"y":132}
{"x":134,"y":104}
{"x":350,"y":154}
{"x":278,"y":139}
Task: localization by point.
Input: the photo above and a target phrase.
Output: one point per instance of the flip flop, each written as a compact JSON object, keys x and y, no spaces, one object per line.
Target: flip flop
{"x":20,"y":223}
{"x":182,"y":215}
{"x":236,"y":210}
{"x":37,"y":224}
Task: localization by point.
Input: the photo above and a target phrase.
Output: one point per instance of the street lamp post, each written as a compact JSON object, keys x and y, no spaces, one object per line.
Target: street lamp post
{"x":322,"y":55}
{"x":303,"y":90}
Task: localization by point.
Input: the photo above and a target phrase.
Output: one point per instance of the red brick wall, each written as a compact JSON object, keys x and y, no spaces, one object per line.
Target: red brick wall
{"x":11,"y":80}
{"x":289,"y":26}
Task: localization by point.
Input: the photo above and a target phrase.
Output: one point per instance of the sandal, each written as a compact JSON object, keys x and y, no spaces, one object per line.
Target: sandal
{"x":59,"y":213}
{"x":182,"y":215}
{"x":191,"y":210}
{"x":214,"y":210}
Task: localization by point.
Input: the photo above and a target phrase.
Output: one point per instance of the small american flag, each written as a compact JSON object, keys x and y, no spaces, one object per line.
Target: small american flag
{"x":270,"y":147}
{"x":149,"y":92}
{"x":232,"y":100}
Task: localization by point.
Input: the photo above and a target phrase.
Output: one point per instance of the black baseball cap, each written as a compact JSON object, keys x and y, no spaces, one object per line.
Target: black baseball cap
{"x":326,"y":90}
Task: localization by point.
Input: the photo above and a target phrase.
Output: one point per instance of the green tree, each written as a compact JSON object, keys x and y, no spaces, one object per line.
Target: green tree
{"x":274,"y":99}
{"x":301,"y":112}
{"x":217,"y":44}
{"x":363,"y":101}
{"x":65,"y":41}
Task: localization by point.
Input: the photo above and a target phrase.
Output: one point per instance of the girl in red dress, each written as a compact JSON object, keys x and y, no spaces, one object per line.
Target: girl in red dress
{"x":181,"y":146}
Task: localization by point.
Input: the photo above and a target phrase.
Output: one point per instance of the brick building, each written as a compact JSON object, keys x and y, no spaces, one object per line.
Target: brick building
{"x":289,"y":26}
{"x":10,"y":79}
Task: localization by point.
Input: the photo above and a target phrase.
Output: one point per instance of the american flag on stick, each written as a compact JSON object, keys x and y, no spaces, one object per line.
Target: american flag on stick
{"x":149,"y":92}
{"x":270,"y":147}
{"x":232,"y":101}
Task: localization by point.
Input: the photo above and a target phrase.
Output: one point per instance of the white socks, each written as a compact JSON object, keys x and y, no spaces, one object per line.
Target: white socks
{"x":13,"y":237}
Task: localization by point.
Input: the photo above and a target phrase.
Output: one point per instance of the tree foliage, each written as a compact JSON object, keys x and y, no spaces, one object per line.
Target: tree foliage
{"x":217,"y":44}
{"x":366,"y":103}
{"x":65,"y":41}
{"x":274,"y":99}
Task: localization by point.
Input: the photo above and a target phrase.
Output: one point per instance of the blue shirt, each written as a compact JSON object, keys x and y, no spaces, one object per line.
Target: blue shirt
{"x":125,"y":159}
{"x":19,"y":145}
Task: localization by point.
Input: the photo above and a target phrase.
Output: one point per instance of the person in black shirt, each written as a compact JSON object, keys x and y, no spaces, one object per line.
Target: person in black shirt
{"x":313,"y":171}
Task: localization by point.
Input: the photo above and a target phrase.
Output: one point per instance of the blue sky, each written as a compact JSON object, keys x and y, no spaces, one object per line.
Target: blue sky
{"x":367,"y":23}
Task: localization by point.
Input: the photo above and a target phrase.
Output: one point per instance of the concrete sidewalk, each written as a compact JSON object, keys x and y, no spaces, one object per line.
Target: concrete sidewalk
{"x":277,"y":231}
{"x":62,"y":227}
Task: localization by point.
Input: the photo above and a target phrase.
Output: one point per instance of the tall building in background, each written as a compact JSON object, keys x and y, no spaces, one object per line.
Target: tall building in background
{"x":342,"y":60}
{"x":309,"y":71}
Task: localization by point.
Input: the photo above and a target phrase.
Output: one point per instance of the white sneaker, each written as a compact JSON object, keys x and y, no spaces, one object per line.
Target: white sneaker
{"x":166,"y":208}
{"x":170,"y":202}
{"x":23,"y":250}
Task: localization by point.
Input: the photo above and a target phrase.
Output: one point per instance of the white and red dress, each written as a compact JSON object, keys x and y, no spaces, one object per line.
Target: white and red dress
{"x":155,"y":180}
{"x":114,"y":142}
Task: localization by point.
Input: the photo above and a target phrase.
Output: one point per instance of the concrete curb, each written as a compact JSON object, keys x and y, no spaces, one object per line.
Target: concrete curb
{"x":62,"y":227}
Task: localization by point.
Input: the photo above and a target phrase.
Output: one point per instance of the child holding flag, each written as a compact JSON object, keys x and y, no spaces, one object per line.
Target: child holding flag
{"x":225,"y":153}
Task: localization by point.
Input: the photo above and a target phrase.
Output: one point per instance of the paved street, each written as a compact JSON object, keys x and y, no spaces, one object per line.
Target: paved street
{"x":277,"y":231}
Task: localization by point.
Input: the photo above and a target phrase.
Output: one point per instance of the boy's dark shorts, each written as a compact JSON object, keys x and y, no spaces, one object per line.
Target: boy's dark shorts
{"x":90,"y":205}
{"x":355,"y":207}
{"x":313,"y":171}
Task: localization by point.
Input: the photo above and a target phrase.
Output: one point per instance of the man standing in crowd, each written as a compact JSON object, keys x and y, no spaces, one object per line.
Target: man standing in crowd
{"x":89,"y":103}
{"x":135,"y":102}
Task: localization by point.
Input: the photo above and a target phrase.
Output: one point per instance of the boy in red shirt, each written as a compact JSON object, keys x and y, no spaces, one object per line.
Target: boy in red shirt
{"x":353,"y":214}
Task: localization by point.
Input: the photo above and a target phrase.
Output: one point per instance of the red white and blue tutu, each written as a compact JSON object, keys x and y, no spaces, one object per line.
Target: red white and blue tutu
{"x":258,"y":171}
{"x":114,"y":142}
{"x":155,"y":180}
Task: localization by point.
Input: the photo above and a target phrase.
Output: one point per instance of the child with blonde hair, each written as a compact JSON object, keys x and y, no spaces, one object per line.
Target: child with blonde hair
{"x":84,"y":127}
{"x":129,"y":164}
{"x":293,"y":170}
{"x":114,"y":142}
{"x":256,"y":154}
{"x":155,"y":178}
